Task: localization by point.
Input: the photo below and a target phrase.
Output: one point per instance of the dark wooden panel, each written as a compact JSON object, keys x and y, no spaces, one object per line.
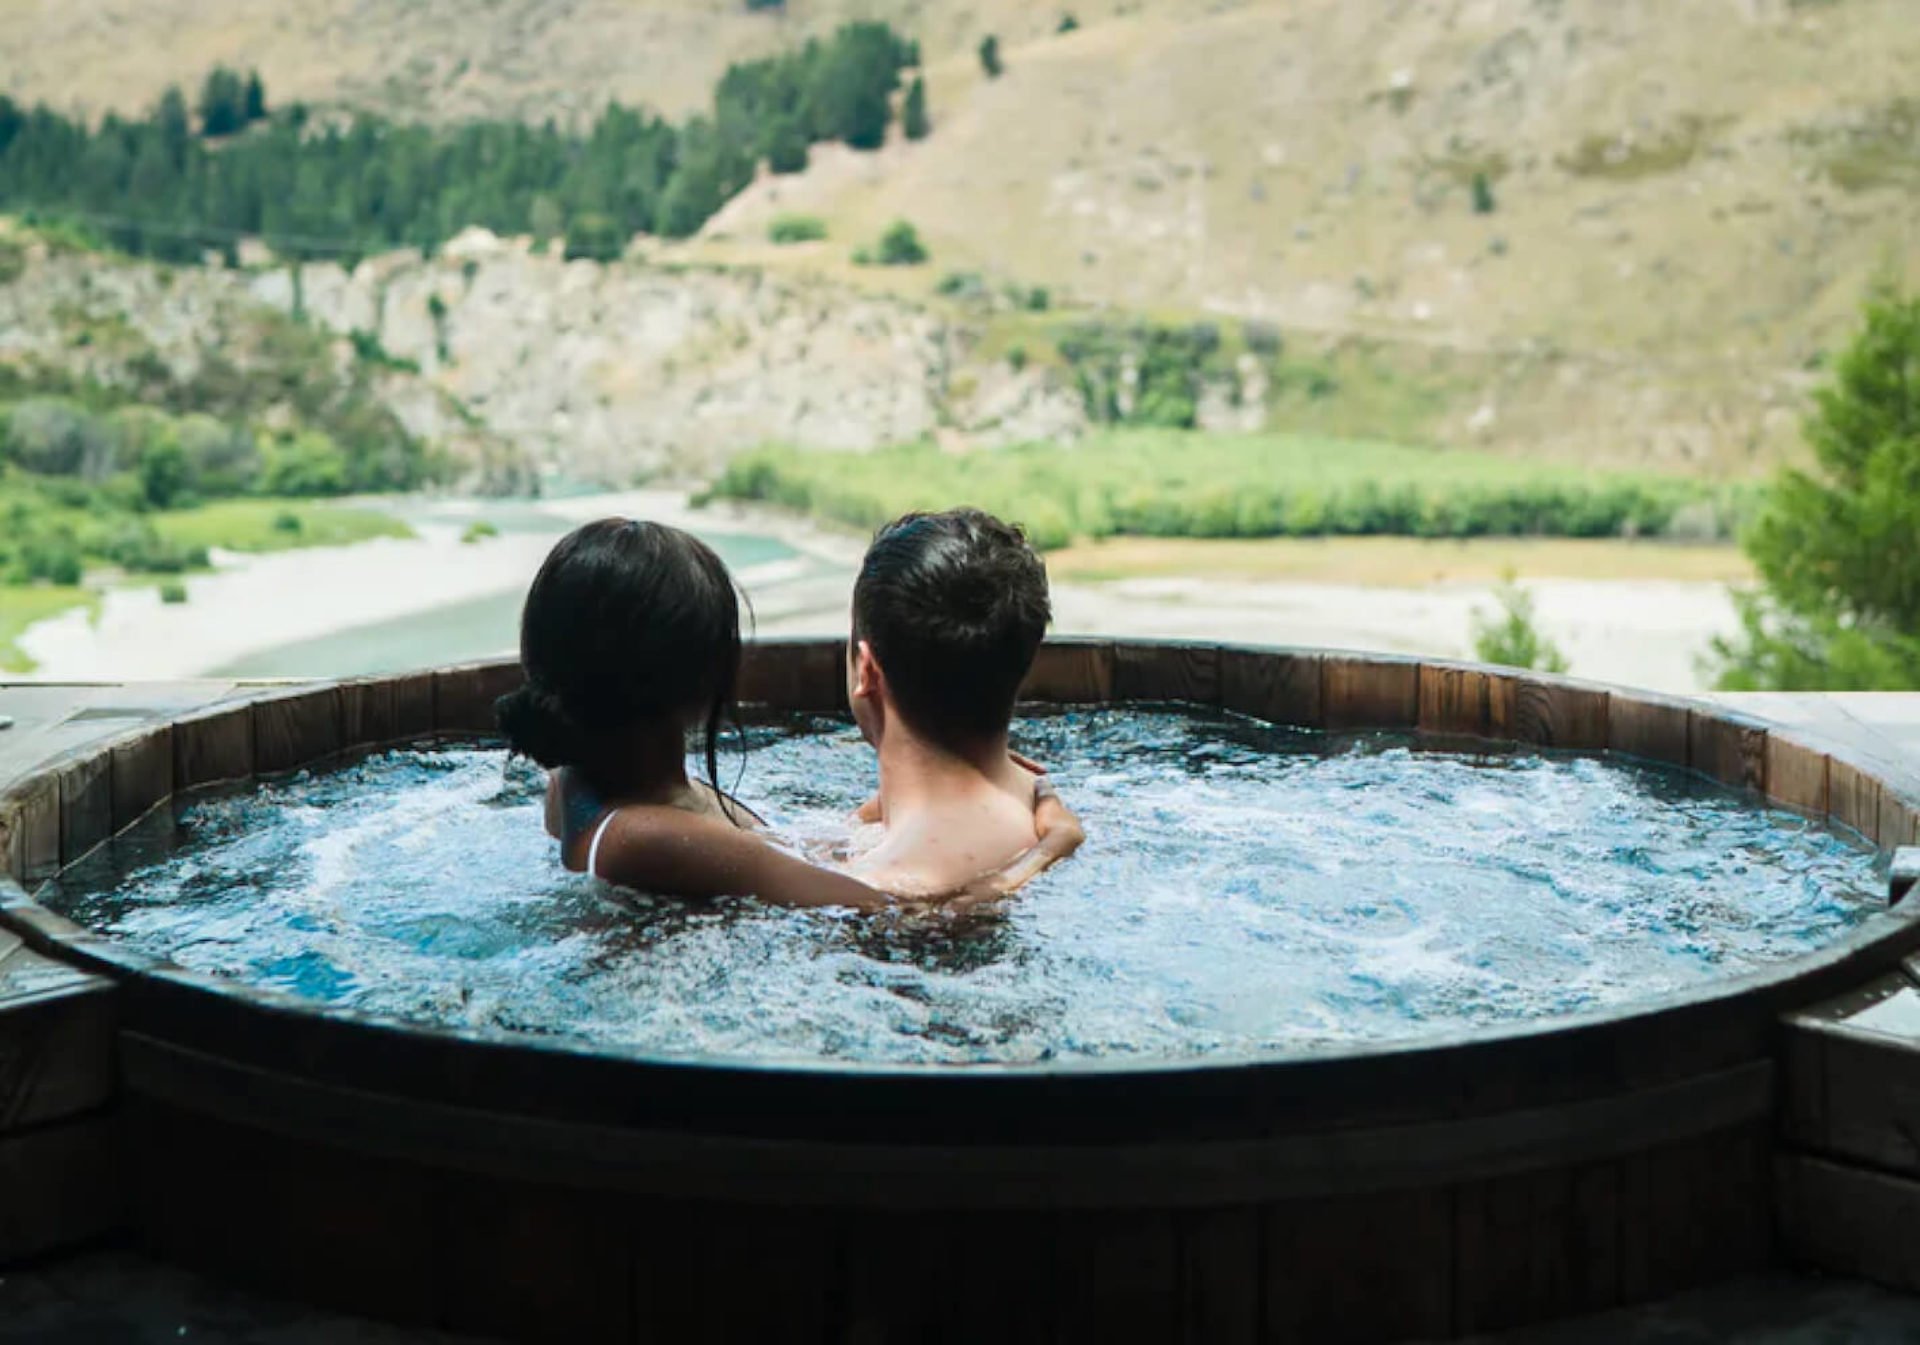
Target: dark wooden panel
{"x":1359,"y":1270}
{"x":1119,"y":1277}
{"x":1536,"y":1246}
{"x":1454,"y":699}
{"x":533,"y":1264}
{"x":38,"y":817}
{"x":1279,"y":687}
{"x":1649,"y":728}
{"x":1695,"y":1212}
{"x":413,"y":706}
{"x":463,"y":697}
{"x":142,"y":770}
{"x":213,"y":748}
{"x":1853,"y":798}
{"x":56,"y":1039}
{"x":1189,"y":673}
{"x":62,"y":1186}
{"x":1071,"y":673}
{"x":903,"y":1283}
{"x":1221,"y":1269}
{"x":294,"y":732}
{"x":1553,"y":715}
{"x":1849,"y":1221}
{"x":86,"y":805}
{"x":1797,"y":775}
{"x":1730,"y":749}
{"x":1370,"y":693}
{"x":13,"y":840}
{"x":1854,"y":1095}
{"x":308,"y":1222}
{"x":808,"y":676}
{"x":367,"y":713}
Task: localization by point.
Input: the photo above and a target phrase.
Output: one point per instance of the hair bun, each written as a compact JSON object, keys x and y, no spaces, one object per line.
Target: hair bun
{"x":538,"y":726}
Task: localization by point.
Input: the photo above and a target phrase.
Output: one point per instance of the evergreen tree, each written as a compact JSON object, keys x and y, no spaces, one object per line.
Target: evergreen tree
{"x":913,"y":117}
{"x":787,"y":146}
{"x":256,"y":98}
{"x":1840,"y":607}
{"x":990,"y":56}
{"x":223,"y":103}
{"x":1483,"y":202}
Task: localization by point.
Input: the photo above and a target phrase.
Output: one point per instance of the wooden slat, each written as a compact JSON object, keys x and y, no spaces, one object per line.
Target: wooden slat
{"x":1221,"y":1268}
{"x":86,"y":805}
{"x":1853,"y":1094}
{"x":1853,"y":798}
{"x":1071,"y":673}
{"x":1729,"y":749}
{"x":463,"y":697}
{"x":1360,"y":1269}
{"x":56,"y":1039}
{"x":39,"y":821}
{"x":1849,"y":1221}
{"x":1649,"y":728}
{"x":13,"y":840}
{"x":1119,"y":1277}
{"x":1371,"y":693}
{"x":1552,"y":715}
{"x":294,"y":732}
{"x":63,"y":1187}
{"x":1279,"y":687}
{"x":1536,"y":1246}
{"x":142,"y":773}
{"x":1454,"y":700}
{"x":1899,"y":821}
{"x":803,"y":676}
{"x":212,"y":748}
{"x":1184,"y":673}
{"x":367,"y":714}
{"x":1797,"y":775}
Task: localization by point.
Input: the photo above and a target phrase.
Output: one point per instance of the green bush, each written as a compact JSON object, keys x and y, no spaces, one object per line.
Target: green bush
{"x":1483,"y":202}
{"x":173,"y":592}
{"x":166,"y":477}
{"x":1186,"y":484}
{"x":478,"y":530}
{"x":797,"y":229}
{"x":596,"y":237}
{"x":990,"y":56}
{"x":914,"y":122}
{"x":288,"y":522}
{"x":309,"y":464}
{"x":962,"y":285}
{"x":900,"y":245}
{"x":1510,"y":638}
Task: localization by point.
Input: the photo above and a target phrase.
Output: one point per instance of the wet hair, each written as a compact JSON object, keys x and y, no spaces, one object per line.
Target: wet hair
{"x":625,"y":622}
{"x":955,"y":606}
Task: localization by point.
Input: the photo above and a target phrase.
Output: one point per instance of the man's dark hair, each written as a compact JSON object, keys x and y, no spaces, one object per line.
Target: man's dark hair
{"x":955,"y":606}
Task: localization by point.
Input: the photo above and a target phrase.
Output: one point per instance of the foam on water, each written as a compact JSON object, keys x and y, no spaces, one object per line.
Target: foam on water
{"x":1245,"y":891}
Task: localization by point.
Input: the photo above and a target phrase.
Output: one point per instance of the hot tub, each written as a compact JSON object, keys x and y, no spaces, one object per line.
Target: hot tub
{"x":546,"y":1189}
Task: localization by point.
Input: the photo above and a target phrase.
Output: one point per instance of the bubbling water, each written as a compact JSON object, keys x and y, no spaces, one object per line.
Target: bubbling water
{"x":1245,"y":891}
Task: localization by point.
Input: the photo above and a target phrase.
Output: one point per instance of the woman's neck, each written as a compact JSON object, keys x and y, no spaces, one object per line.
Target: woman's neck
{"x":646,"y":764}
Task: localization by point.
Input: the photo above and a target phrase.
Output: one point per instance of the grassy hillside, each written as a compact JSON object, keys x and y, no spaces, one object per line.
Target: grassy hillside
{"x":1681,"y":205}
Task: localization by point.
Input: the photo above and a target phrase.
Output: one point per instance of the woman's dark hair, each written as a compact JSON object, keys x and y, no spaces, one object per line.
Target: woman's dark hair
{"x":625,"y":622}
{"x":955,"y":606}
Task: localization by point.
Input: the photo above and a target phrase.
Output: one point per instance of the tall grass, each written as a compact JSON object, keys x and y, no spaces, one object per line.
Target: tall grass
{"x":1172,"y":484}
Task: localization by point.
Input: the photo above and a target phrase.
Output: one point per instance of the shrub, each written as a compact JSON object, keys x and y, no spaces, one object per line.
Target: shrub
{"x":166,"y":477}
{"x":288,"y":522}
{"x":1511,"y":639}
{"x":990,"y":56}
{"x":797,"y":229}
{"x":595,"y":237}
{"x":913,"y":113}
{"x":1483,"y":203}
{"x":173,"y":592}
{"x":478,"y":530}
{"x":962,"y":285}
{"x":1068,"y":24}
{"x":900,"y":245}
{"x":1017,"y":358}
{"x":1039,"y":299}
{"x":309,"y":464}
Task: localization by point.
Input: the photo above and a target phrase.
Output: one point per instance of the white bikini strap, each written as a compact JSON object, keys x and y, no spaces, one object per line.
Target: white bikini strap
{"x":593,"y":847}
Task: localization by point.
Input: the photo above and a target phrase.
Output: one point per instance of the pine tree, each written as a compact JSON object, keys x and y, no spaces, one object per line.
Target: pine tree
{"x":223,"y":103}
{"x":913,"y":117}
{"x":256,"y":99}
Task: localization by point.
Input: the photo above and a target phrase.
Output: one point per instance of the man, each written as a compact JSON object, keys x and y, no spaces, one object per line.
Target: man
{"x":948,"y":613}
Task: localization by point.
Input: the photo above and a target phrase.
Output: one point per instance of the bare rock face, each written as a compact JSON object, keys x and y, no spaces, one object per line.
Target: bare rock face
{"x":623,"y":370}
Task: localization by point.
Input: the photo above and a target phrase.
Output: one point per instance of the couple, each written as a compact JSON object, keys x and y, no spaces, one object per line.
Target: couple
{"x":631,"y":637}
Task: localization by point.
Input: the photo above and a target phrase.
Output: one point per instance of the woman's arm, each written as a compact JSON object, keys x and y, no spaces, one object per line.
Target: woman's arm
{"x":668,"y":850}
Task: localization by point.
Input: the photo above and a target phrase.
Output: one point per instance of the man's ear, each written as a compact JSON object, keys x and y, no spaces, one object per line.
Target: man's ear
{"x":867,"y":678}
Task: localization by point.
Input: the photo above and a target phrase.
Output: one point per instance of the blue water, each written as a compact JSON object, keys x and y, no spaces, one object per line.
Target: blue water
{"x":1245,"y":890}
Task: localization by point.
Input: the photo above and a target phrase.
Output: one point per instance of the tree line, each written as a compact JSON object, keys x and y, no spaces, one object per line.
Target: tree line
{"x":179,"y":181}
